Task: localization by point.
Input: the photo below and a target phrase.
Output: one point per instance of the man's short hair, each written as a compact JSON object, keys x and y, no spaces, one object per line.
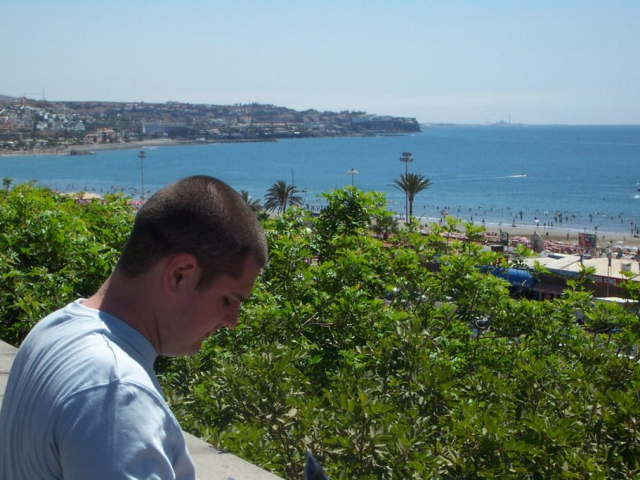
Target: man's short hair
{"x":199,"y":215}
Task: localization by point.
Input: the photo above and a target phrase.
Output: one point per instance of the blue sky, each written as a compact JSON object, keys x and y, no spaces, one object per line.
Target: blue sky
{"x":540,"y":62}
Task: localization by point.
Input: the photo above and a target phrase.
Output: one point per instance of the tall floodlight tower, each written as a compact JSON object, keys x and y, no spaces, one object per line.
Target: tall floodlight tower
{"x":406,"y":158}
{"x":142,"y":156}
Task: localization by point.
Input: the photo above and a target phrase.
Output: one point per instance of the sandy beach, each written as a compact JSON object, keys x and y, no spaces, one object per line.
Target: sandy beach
{"x":94,"y":147}
{"x":161,"y":142}
{"x":570,"y":236}
{"x":560,"y":240}
{"x":100,"y":147}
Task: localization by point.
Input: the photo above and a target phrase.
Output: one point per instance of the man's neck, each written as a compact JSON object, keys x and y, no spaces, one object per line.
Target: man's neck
{"x":124,"y":298}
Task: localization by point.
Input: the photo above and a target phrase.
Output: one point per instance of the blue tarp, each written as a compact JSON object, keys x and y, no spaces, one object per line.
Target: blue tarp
{"x":516,"y":277}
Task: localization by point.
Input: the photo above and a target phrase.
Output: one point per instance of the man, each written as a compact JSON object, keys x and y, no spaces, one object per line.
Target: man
{"x":82,"y":400}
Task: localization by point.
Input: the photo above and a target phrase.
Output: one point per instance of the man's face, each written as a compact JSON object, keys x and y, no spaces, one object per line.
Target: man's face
{"x":203,"y":311}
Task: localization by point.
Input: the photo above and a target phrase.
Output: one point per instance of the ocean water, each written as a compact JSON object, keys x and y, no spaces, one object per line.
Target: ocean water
{"x":588,"y":174}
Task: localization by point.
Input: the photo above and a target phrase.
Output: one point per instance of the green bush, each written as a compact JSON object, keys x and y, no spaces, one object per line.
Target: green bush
{"x":53,"y":250}
{"x":363,"y":352}
{"x":404,"y":387}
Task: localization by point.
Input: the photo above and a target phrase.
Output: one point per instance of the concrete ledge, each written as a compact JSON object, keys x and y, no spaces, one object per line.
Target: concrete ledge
{"x":7,"y":353}
{"x":211,"y":464}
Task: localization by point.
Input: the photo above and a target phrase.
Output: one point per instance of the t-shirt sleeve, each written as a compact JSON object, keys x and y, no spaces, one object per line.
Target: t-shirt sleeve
{"x":120,"y":431}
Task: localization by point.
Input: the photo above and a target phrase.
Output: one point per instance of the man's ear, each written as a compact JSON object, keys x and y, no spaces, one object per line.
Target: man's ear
{"x":181,"y":271}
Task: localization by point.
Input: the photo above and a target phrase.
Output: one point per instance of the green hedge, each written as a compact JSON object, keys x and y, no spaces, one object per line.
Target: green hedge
{"x":53,"y":249}
{"x":399,"y":385}
{"x":355,"y":349}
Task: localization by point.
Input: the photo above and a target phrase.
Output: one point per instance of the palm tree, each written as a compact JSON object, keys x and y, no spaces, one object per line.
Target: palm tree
{"x":411,"y":184}
{"x":281,"y":195}
{"x":253,"y":204}
{"x":385,"y":225}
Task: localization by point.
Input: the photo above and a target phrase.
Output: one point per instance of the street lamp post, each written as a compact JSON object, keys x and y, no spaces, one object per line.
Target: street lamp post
{"x":406,"y":158}
{"x":352,"y":172}
{"x":142,"y":155}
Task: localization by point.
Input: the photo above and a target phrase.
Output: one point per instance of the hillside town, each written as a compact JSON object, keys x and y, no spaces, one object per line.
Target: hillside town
{"x":56,"y":127}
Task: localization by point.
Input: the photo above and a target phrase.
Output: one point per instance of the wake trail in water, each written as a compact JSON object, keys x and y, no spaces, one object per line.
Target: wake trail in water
{"x":478,"y":179}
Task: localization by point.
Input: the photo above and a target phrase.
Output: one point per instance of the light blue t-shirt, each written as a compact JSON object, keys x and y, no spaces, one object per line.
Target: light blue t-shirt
{"x":83,"y":402}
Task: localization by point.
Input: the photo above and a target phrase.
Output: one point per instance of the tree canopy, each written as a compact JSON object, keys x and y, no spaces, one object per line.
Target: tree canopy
{"x":54,"y":249}
{"x":394,"y":360}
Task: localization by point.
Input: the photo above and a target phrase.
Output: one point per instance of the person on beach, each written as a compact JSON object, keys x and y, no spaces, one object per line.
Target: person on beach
{"x":82,"y":400}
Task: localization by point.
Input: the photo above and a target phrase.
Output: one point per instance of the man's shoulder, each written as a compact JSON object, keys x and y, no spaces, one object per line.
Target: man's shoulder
{"x":74,"y":349}
{"x":69,"y":321}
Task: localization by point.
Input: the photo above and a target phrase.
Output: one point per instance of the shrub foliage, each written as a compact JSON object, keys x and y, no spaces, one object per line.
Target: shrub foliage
{"x":359,"y":350}
{"x":53,"y":249}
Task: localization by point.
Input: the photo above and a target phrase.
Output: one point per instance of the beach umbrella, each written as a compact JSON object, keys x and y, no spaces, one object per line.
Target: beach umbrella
{"x":352,"y":172}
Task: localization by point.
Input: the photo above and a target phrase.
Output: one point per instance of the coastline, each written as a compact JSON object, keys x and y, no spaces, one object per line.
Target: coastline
{"x":128,"y":145}
{"x":560,"y":235}
{"x":85,"y":148}
{"x":559,"y":239}
{"x":161,"y":142}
